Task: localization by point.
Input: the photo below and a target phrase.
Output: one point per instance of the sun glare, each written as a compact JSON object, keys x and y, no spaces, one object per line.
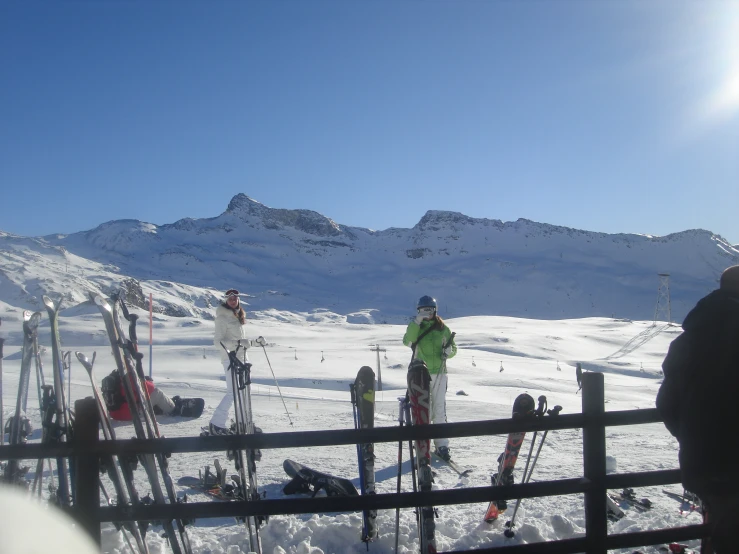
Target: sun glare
{"x":724,"y":101}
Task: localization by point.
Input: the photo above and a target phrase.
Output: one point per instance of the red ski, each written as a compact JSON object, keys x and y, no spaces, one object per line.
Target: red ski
{"x":419,"y":382}
{"x":523,"y":406}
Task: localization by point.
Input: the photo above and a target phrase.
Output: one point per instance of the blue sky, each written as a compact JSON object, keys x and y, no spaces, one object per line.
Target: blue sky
{"x":606,"y":116}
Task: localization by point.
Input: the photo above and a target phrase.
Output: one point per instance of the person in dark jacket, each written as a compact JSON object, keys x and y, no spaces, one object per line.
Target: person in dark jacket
{"x":697,"y":401}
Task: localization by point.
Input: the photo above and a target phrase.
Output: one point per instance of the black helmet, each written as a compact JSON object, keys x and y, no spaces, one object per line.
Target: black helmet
{"x":426,"y":302}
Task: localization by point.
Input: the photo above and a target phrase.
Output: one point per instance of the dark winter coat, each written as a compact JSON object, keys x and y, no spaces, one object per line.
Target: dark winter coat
{"x":698,"y":397}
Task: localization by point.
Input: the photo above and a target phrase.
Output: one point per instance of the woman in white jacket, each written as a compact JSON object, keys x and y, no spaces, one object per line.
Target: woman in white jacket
{"x":230,"y":329}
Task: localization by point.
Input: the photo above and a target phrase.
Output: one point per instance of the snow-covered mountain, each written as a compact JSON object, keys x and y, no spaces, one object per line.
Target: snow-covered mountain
{"x":303,"y":261}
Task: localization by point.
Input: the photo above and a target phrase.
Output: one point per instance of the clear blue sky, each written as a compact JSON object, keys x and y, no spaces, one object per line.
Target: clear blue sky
{"x":611,"y":116}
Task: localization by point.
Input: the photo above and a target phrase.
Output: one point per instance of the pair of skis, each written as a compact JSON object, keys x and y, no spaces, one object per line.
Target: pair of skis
{"x":417,"y":408}
{"x":245,"y":459}
{"x":523,"y":408}
{"x":18,"y":427}
{"x":129,"y":367}
{"x":55,"y":415}
{"x":119,"y":470}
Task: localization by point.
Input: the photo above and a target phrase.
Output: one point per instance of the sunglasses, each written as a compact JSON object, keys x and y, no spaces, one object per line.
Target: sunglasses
{"x":426,"y":310}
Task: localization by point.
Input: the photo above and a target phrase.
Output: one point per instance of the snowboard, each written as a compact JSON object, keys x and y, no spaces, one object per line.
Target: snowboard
{"x":307,"y":480}
{"x":524,"y":406}
{"x":188,"y":407}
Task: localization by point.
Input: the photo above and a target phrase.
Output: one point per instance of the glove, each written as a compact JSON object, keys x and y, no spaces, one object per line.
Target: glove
{"x":419,"y":319}
{"x":245,"y":344}
{"x":448,"y":351}
{"x":260,"y":341}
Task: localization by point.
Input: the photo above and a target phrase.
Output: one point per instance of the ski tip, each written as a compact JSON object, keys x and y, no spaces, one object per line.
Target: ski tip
{"x":100,"y":301}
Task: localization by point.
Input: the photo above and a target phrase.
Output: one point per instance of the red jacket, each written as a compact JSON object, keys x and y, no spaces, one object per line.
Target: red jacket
{"x":123,"y":413}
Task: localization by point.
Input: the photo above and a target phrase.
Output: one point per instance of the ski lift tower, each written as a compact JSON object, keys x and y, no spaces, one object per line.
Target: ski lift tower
{"x":663,"y":307}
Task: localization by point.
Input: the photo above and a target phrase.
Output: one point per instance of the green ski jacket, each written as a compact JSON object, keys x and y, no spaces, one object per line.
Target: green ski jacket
{"x":431,"y":347}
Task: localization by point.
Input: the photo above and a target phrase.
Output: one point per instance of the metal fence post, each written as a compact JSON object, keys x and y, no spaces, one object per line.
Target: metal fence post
{"x":594,"y":461}
{"x":87,"y":495}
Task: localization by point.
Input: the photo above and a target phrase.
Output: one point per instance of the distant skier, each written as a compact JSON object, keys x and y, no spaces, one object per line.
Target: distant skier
{"x":230,"y":330}
{"x":697,"y":401}
{"x":578,"y":375}
{"x":432,"y":341}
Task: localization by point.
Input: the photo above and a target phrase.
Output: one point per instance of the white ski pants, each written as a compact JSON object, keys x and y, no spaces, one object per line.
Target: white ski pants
{"x":220,"y":416}
{"x":438,"y":404}
{"x":161,"y":401}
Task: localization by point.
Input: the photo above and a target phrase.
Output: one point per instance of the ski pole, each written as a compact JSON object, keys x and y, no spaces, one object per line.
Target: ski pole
{"x":540,"y":410}
{"x":263,"y":343}
{"x":442,"y":371}
{"x":401,"y":400}
{"x":407,"y":417}
{"x":69,"y":376}
{"x":240,"y":379}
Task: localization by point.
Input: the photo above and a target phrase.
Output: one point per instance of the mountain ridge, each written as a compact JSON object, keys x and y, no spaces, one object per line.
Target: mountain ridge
{"x":302,"y":260}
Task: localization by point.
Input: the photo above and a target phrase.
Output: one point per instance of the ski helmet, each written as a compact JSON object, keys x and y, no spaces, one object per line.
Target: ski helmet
{"x":426,"y":302}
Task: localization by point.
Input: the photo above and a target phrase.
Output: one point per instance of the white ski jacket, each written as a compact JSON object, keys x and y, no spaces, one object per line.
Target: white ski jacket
{"x":228,"y":331}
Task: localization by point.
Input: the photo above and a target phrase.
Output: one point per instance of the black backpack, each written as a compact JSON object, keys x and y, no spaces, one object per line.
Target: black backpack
{"x":111,"y":389}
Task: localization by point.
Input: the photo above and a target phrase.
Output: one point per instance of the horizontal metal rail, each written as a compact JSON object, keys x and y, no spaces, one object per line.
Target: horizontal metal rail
{"x":321,"y":438}
{"x":189,"y":510}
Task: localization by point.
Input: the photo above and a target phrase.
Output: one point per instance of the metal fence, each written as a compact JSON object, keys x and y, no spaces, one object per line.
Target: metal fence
{"x":87,"y":449}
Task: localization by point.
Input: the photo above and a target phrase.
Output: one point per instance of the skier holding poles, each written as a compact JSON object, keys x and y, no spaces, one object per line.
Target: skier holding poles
{"x":433,"y":342}
{"x":230,"y":332}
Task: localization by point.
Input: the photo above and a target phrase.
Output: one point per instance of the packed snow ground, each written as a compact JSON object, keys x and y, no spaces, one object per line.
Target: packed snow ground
{"x":315,"y":358}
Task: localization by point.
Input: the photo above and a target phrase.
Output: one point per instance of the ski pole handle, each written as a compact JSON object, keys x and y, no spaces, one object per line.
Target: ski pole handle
{"x":541,"y":410}
{"x":446,"y":344}
{"x":554,"y":411}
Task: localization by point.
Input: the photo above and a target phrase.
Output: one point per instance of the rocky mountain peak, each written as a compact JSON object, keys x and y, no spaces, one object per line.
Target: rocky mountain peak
{"x":307,"y":221}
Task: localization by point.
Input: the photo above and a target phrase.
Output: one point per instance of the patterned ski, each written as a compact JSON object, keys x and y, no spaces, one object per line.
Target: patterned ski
{"x":419,"y":382}
{"x":524,"y":406}
{"x":363,"y":401}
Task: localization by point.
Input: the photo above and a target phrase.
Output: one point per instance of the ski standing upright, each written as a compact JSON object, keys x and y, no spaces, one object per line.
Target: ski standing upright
{"x":245,"y":459}
{"x":144,"y":422}
{"x":523,"y":408}
{"x":18,"y":427}
{"x":527,"y":472}
{"x":363,"y":405}
{"x":56,"y":416}
{"x":419,"y":383}
{"x":119,"y":469}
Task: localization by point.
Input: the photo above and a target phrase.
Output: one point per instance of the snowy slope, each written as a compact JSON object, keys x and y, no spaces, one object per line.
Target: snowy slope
{"x":316,"y":356}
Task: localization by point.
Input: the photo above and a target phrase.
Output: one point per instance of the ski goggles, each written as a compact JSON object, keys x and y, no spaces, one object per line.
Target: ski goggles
{"x":231,"y":293}
{"x":426,"y":310}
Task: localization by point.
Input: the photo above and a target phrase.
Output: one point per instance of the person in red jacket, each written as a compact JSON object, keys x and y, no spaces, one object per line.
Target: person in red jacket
{"x":118,"y":409}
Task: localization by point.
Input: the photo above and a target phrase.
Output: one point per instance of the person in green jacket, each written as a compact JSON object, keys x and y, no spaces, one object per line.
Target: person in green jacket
{"x":436,"y":344}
